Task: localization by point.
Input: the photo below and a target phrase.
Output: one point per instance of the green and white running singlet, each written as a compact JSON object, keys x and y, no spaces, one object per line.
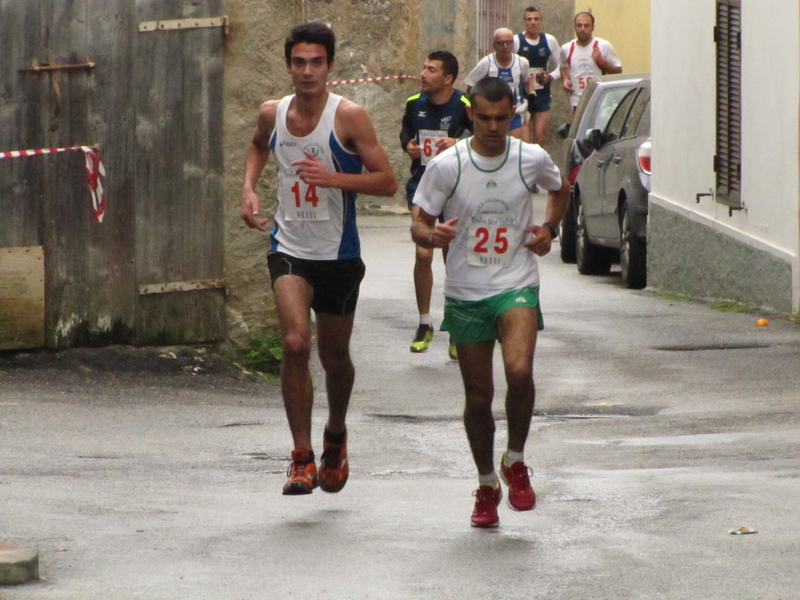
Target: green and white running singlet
{"x":492,"y":199}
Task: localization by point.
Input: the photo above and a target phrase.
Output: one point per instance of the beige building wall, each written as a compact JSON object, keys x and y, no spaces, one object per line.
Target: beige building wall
{"x":626,"y":24}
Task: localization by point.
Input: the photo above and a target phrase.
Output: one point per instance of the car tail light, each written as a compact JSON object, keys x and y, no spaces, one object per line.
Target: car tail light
{"x":643,"y":156}
{"x":574,"y":175}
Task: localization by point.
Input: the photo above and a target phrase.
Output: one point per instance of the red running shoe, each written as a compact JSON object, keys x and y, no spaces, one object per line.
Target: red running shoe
{"x":302,"y":473}
{"x":517,"y":477}
{"x":487,"y":499}
{"x":333,"y":466}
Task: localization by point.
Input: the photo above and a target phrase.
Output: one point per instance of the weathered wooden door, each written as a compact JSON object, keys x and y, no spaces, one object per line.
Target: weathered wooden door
{"x":179,"y":213}
{"x":80,"y":72}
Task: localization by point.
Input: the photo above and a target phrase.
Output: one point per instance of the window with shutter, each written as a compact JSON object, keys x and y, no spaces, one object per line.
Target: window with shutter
{"x":727,"y":162}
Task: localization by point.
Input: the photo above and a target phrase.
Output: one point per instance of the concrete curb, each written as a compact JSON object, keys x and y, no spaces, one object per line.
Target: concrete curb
{"x":17,"y":565}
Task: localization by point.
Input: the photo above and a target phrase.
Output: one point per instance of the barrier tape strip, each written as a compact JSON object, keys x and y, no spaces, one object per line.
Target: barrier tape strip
{"x":94,"y":172}
{"x":371,"y":79}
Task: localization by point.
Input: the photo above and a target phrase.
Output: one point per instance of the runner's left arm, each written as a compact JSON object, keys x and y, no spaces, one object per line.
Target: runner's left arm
{"x":542,"y":241}
{"x":555,"y":58}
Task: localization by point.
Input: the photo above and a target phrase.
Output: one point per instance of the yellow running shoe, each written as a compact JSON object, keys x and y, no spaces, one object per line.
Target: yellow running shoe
{"x":422,"y":339}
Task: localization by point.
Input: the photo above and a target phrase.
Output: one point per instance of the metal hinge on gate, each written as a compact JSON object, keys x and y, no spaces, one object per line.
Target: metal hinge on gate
{"x":37,"y":68}
{"x":200,"y":23}
{"x":181,"y":286}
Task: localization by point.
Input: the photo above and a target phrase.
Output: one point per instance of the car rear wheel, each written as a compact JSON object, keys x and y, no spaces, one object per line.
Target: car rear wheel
{"x":590,"y":258}
{"x":632,"y":253}
{"x":566,"y":236}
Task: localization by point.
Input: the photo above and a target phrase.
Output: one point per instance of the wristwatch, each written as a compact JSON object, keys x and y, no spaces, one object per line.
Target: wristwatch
{"x":553,"y":227}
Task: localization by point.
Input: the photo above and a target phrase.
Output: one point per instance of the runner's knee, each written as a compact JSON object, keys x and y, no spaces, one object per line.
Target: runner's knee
{"x":296,"y":347}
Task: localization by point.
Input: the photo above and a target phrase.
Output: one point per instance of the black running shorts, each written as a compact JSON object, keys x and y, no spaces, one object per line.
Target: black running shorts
{"x":335,"y":282}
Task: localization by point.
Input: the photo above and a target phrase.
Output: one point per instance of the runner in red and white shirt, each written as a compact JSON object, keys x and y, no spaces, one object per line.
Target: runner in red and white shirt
{"x":586,"y":58}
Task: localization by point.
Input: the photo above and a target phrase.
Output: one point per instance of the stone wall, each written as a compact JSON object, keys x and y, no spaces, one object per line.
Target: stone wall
{"x":373,"y":41}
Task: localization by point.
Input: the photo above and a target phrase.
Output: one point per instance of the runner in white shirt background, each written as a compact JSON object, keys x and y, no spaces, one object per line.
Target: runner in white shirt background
{"x":509,"y":67}
{"x":586,"y":58}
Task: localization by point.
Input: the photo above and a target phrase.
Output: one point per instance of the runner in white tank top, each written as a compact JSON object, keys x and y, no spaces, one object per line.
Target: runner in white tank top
{"x":320,"y":142}
{"x":483,"y":185}
{"x":585,"y":58}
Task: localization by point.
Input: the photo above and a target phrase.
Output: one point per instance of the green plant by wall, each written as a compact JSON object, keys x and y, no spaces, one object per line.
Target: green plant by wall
{"x":265,"y":354}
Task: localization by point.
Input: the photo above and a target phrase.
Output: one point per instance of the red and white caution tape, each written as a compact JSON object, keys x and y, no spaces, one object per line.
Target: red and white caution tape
{"x":94,"y":171}
{"x":371,"y":79}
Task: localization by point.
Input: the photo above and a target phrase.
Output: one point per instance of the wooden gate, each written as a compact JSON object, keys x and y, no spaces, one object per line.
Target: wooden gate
{"x":149,"y":97}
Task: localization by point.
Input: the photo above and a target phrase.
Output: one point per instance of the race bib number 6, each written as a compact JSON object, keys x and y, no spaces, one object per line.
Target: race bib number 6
{"x":490,"y":240}
{"x":427,"y":143}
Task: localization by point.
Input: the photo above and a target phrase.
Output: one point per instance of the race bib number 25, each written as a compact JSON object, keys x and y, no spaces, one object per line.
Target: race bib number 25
{"x":490,"y":240}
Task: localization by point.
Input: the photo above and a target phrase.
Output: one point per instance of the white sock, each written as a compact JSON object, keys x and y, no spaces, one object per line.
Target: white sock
{"x":426,"y":320}
{"x":511,"y":457}
{"x":490,"y":479}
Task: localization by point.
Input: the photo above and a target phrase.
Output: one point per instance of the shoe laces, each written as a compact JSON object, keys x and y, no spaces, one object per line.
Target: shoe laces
{"x":485,"y":497}
{"x":523,"y":473}
{"x":422,"y":331}
{"x":296,"y":470}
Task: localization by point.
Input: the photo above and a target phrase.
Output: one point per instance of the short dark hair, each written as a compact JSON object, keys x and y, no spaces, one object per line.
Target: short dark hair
{"x":532,"y":9}
{"x":591,"y":16}
{"x":449,"y":62}
{"x":492,"y":89}
{"x":311,"y":33}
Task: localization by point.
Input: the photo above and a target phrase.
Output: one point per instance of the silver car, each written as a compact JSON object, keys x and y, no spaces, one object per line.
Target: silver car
{"x":596,"y":105}
{"x":611,"y":192}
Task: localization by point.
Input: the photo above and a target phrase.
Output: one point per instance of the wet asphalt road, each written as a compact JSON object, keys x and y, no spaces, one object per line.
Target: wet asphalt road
{"x":660,"y":426}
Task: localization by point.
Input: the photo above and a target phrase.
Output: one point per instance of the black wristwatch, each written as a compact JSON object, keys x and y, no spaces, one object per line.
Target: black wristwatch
{"x":553,"y":227}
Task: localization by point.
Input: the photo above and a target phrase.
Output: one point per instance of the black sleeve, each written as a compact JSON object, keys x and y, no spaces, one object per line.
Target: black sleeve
{"x":465,"y":120}
{"x":407,"y":132}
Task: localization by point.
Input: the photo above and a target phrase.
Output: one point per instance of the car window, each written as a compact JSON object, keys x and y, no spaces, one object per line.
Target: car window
{"x":643,"y":128}
{"x":634,"y":116}
{"x":617,"y":121}
{"x":608,"y":101}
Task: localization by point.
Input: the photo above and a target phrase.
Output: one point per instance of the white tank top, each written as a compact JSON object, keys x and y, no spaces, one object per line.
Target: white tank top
{"x":492,"y":199}
{"x":310,"y":222}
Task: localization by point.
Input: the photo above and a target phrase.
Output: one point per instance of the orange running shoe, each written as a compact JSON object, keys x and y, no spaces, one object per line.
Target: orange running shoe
{"x":487,"y":499}
{"x":333,"y":466}
{"x":520,"y":493}
{"x":302,"y":473}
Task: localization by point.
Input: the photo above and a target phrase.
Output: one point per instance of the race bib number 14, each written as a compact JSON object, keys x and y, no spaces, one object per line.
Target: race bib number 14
{"x":306,"y":204}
